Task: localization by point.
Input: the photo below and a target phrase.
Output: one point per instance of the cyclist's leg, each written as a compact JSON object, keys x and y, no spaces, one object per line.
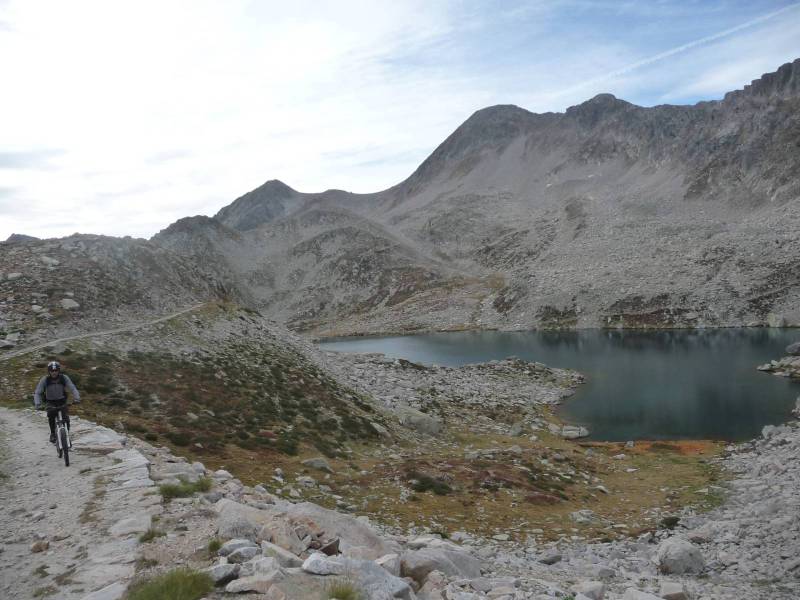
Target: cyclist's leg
{"x":51,"y":419}
{"x":65,"y":415}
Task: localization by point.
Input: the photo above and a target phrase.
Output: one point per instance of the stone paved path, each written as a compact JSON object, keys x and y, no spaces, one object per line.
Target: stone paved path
{"x":90,"y":513}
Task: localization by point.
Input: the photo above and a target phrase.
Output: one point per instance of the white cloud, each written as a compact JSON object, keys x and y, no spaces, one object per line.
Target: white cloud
{"x":160,"y":110}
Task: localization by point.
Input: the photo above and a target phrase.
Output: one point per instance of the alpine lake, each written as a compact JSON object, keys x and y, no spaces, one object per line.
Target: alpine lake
{"x":653,"y":385}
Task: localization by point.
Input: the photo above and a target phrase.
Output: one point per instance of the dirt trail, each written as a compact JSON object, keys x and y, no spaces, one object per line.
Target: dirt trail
{"x":89,"y":515}
{"x":129,"y":327}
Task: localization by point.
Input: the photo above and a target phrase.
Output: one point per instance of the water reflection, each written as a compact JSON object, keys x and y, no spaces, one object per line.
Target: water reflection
{"x":651,"y":385}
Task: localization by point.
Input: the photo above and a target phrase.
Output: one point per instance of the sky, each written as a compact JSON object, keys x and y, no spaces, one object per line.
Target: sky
{"x":120,"y":117}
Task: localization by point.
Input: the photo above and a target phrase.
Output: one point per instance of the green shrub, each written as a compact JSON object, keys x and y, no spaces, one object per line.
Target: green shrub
{"x":180,"y":584}
{"x":214,"y":545}
{"x":184,"y":488}
{"x":150,"y":535}
{"x":344,"y":588}
{"x":179,"y":438}
{"x":420,"y":482}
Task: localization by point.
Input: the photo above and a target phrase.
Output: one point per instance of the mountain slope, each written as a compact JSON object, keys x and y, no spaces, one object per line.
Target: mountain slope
{"x":609,"y":214}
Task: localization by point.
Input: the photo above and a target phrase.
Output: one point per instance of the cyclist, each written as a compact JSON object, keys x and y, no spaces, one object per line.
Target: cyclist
{"x":55,"y":386}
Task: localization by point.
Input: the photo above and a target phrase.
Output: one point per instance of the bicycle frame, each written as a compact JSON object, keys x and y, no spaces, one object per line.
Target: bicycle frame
{"x":60,"y":424}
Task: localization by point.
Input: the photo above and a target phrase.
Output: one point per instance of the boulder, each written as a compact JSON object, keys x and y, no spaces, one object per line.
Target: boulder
{"x":418,"y":563}
{"x":237,"y":520}
{"x":356,"y":538}
{"x":69,"y":304}
{"x":390,"y":562}
{"x":284,"y":557}
{"x":793,"y":349}
{"x":319,"y":564}
{"x":260,"y":583}
{"x":677,"y":555}
{"x":233,"y":545}
{"x":318,"y":463}
{"x":280,"y":532}
{"x":550,"y":558}
{"x":376,"y":582}
{"x":244,"y":554}
{"x":673,"y":590}
{"x":222,"y":574}
{"x":594,"y":590}
{"x":436,"y":584}
{"x":259,"y":566}
{"x":571,"y":432}
{"x":419,"y":421}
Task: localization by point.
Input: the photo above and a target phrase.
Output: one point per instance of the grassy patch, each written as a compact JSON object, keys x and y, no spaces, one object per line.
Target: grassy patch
{"x":344,"y":588}
{"x":180,"y":584}
{"x":150,"y":535}
{"x":145,"y":563}
{"x":184,"y":489}
{"x":214,"y":546}
{"x":43,"y":592}
{"x":41,"y":571}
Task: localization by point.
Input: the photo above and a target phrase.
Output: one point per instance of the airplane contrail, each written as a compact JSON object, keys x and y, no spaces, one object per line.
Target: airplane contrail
{"x":678,"y":49}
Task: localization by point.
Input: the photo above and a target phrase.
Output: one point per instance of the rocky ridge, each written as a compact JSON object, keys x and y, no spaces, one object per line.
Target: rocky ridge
{"x":608,"y":215}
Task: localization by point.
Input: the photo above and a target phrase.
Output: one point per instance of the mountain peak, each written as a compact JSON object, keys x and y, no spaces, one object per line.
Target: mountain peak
{"x":593,"y":110}
{"x":265,"y":203}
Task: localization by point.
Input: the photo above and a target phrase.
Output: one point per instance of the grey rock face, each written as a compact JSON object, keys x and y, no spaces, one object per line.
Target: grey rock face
{"x":233,"y":545}
{"x":418,"y":563}
{"x":222,"y":574}
{"x":793,"y":349}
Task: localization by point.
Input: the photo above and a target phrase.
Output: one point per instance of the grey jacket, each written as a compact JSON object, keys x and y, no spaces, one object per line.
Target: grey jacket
{"x":56,"y":391}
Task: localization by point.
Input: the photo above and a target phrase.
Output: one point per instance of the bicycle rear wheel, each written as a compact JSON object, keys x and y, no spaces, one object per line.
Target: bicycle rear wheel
{"x":64,"y":445}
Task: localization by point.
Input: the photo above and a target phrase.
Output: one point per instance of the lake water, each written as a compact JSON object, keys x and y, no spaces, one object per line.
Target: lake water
{"x":695,"y":384}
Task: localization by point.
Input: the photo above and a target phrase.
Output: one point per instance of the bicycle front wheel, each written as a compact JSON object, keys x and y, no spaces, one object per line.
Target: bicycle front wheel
{"x":65,"y":445}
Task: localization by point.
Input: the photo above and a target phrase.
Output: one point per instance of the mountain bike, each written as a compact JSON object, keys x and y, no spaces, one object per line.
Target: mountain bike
{"x":63,"y":443}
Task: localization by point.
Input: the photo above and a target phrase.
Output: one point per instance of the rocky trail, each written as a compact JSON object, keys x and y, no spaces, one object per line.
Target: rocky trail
{"x":69,"y":532}
{"x":122,"y":329}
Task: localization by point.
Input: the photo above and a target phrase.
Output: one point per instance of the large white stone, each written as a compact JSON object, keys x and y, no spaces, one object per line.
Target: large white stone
{"x":594,"y":590}
{"x":677,"y":555}
{"x":320,"y":564}
{"x":673,"y":590}
{"x":232,"y":545}
{"x":69,"y":304}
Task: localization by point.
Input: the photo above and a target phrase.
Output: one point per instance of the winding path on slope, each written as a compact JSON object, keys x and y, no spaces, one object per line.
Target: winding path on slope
{"x":123,"y":328}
